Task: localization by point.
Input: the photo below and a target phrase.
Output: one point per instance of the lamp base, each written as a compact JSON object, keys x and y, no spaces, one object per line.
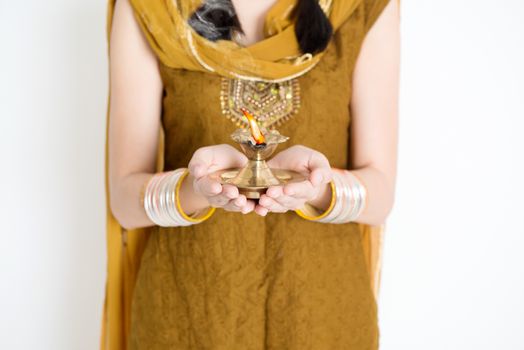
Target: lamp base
{"x":253,"y":187}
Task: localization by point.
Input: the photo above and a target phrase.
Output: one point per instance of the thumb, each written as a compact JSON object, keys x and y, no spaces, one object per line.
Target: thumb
{"x":226,"y":156}
{"x":320,"y":176}
{"x":208,"y":159}
{"x":197,"y":169}
{"x":320,"y":169}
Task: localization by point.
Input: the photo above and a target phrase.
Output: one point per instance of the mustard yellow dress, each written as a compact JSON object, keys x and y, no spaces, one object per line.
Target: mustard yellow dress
{"x":249,"y":282}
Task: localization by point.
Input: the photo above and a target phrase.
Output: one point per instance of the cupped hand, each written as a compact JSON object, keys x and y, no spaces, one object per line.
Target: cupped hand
{"x":294,"y":195}
{"x":209,"y":159}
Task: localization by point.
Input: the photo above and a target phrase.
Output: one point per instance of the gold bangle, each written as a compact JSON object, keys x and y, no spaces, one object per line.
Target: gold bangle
{"x":313,"y":213}
{"x":195,"y":217}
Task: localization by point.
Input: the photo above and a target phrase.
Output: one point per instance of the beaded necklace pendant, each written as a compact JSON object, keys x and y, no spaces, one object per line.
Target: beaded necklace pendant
{"x":271,"y":103}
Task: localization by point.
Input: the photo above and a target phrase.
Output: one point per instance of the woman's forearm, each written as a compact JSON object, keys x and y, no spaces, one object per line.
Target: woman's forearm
{"x":380,"y":196}
{"x":130,"y":213}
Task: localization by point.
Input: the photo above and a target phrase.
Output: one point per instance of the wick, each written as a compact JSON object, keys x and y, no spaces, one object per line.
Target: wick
{"x":257,"y":145}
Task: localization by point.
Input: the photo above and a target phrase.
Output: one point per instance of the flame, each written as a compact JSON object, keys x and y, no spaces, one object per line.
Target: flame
{"x":253,"y":125}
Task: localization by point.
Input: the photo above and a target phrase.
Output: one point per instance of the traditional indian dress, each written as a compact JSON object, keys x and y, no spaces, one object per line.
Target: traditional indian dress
{"x":245,"y":281}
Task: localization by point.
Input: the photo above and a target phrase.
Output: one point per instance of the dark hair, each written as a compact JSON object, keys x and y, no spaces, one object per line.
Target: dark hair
{"x":217,"y":20}
{"x":312,"y":28}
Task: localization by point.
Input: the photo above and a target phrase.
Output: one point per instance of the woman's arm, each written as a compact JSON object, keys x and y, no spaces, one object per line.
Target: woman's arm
{"x":374,"y":133}
{"x":134,"y":121}
{"x":374,"y":110}
{"x":136,"y":91}
{"x":375,"y":114}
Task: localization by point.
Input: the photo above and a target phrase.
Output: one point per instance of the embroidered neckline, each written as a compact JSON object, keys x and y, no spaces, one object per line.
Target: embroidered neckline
{"x":271,"y":103}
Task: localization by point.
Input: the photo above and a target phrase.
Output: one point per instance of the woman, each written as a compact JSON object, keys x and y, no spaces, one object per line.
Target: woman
{"x":213,"y":269}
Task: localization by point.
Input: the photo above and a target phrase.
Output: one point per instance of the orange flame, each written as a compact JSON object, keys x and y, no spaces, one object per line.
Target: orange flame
{"x":253,"y":125}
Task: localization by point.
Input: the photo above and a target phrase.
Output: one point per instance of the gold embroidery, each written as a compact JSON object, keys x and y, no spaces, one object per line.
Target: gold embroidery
{"x":304,"y":58}
{"x":270,"y":103}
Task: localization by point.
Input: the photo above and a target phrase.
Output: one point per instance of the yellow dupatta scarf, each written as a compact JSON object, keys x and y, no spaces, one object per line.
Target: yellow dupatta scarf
{"x":275,"y":58}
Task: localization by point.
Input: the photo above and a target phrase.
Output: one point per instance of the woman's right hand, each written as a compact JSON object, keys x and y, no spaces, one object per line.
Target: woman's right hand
{"x":209,"y":159}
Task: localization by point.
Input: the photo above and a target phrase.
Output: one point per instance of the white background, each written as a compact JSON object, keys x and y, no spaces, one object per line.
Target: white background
{"x":453,"y":273}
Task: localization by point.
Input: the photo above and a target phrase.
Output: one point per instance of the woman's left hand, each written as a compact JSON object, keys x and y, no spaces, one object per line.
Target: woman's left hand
{"x":293,"y":195}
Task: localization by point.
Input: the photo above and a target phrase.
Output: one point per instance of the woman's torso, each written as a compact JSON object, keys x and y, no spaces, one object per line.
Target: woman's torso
{"x":249,"y":282}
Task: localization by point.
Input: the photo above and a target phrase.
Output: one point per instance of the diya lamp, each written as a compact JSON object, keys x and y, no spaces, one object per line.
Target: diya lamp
{"x":256,"y":176}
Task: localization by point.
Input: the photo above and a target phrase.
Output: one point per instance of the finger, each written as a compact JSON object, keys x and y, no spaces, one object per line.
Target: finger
{"x":248,"y":207}
{"x":285,"y":200}
{"x":226,"y":200}
{"x":240,"y":204}
{"x":289,"y":202}
{"x":320,"y":170}
{"x":240,"y":201}
{"x":206,"y":186}
{"x":230,"y":191}
{"x":271,"y":204}
{"x":232,"y":205}
{"x":218,"y":201}
{"x":260,"y":210}
{"x":197,"y":169}
{"x":301,"y":189}
{"x":274,"y":191}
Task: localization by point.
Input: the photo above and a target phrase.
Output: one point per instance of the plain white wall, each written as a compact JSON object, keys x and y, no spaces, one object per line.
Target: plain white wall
{"x":453,"y":273}
{"x":454,"y":263}
{"x":53,"y":94}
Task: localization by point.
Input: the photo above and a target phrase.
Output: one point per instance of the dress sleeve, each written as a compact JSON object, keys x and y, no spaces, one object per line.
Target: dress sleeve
{"x":372,"y":10}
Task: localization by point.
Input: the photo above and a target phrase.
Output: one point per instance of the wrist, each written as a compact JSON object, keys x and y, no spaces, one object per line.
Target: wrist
{"x":191,"y":202}
{"x":162,"y":200}
{"x":348,"y":201}
{"x":323,"y":198}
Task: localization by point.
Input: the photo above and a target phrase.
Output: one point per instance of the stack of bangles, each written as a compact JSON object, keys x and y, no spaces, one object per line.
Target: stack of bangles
{"x":160,"y":198}
{"x":348,"y":200}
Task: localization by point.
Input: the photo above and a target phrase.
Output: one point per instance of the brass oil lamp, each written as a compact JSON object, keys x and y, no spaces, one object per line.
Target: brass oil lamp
{"x":258,"y":145}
